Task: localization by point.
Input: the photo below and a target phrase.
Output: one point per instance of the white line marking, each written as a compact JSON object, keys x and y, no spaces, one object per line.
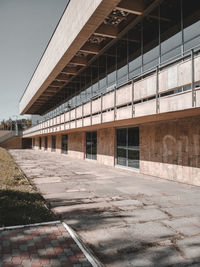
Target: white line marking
{"x":94,"y":262}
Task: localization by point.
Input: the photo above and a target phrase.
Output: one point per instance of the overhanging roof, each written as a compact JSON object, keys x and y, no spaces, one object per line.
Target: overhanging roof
{"x":86,"y":29}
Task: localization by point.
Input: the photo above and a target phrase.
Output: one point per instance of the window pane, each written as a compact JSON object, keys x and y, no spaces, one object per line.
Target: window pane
{"x":133,"y":158}
{"x":133,"y":138}
{"x":91,"y":145}
{"x":121,"y":156}
{"x":121,"y":138}
{"x":64,"y":143}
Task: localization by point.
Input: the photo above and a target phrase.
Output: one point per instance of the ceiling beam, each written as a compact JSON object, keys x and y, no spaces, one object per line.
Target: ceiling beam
{"x":62,"y":77}
{"x":131,"y":6}
{"x":51,"y":89}
{"x":106,"y":30}
{"x":90,"y":48}
{"x":79,"y":61}
{"x":48,"y":93}
{"x":152,"y":16}
{"x":56,"y":84}
{"x":70,"y":70}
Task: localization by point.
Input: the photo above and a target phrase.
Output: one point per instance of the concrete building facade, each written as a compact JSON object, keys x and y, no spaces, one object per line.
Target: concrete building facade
{"x":119,"y":83}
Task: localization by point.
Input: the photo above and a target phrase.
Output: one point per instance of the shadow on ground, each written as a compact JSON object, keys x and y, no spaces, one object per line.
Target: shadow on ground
{"x":116,"y":246}
{"x":18,"y":208}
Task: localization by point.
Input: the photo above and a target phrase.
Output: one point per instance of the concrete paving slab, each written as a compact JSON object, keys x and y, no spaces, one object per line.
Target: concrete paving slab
{"x":185,"y":226}
{"x":127,"y":219}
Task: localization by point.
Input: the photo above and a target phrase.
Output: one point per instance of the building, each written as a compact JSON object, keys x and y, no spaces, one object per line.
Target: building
{"x":119,"y":83}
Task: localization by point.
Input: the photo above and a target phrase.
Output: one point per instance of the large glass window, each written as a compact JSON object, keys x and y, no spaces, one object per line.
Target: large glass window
{"x":53,"y":143}
{"x":91,"y":145}
{"x":128,"y":150}
{"x":64,"y":145}
{"x":45,"y":142}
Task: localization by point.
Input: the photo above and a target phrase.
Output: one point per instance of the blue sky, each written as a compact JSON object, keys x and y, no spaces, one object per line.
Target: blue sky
{"x":25,"y":29}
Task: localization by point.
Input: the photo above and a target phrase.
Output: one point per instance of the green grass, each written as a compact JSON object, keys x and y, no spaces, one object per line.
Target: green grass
{"x":20,"y":203}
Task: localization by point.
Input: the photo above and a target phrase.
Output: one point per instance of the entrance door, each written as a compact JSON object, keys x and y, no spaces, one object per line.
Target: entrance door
{"x":128,"y":147}
{"x":45,"y":142}
{"x":91,"y":145}
{"x":64,"y":143}
{"x":40,"y":143}
{"x":53,"y":143}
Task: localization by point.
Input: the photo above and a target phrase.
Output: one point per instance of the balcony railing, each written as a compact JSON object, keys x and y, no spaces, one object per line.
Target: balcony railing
{"x":170,"y":87}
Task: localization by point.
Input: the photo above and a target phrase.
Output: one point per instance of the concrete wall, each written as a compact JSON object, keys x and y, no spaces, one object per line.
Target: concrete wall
{"x":171,"y":150}
{"x":49,"y":143}
{"x":58,"y":143}
{"x":12,"y":143}
{"x":76,"y":145}
{"x":106,"y":146}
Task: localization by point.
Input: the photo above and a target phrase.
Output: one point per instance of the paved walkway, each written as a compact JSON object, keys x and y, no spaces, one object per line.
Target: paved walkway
{"x":49,"y":245}
{"x":126,"y":218}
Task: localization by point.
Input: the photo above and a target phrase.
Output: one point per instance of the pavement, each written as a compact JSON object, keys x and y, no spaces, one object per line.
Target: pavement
{"x":126,"y":218}
{"x":36,"y":246}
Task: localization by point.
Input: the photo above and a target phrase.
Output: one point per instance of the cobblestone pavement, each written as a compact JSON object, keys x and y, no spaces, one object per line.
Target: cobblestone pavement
{"x":126,"y":218}
{"x":49,"y":245}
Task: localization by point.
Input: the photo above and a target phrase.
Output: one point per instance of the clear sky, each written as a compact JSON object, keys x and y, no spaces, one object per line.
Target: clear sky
{"x":25,"y":29}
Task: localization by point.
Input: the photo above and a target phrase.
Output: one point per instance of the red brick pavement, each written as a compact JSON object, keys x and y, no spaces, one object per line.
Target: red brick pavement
{"x":47,"y":245}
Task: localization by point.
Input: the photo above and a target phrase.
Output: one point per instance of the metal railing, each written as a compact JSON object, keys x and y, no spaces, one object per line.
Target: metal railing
{"x":189,"y":55}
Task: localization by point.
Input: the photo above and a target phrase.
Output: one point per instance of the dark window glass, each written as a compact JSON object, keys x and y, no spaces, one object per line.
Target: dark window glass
{"x":53,"y":145}
{"x":64,"y":144}
{"x":91,"y":145}
{"x":33,"y":142}
{"x":40,"y":142}
{"x":128,"y":150}
{"x":45,"y":142}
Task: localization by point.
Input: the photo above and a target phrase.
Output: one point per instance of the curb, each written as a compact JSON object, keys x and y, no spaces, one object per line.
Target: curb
{"x":28,"y":225}
{"x":86,"y":251}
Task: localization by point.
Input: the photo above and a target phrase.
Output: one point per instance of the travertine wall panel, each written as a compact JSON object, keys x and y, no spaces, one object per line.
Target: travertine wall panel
{"x":96,"y":105}
{"x":124,"y":95}
{"x":106,"y":146}
{"x":171,"y":150}
{"x":184,"y":73}
{"x":49,"y":143}
{"x":197,"y":69}
{"x":176,"y":102}
{"x":108,"y":101}
{"x":108,"y":116}
{"x":58,"y":143}
{"x":124,"y":113}
{"x":76,"y":145}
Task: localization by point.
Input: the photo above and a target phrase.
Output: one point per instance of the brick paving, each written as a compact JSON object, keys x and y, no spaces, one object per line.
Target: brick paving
{"x":46,"y":245}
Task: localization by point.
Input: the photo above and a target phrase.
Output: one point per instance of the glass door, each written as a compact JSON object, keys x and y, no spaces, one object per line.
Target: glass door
{"x":128,"y":147}
{"x":64,"y":143}
{"x":53,"y":145}
{"x":40,"y":142}
{"x":91,"y":145}
{"x":45,"y":142}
